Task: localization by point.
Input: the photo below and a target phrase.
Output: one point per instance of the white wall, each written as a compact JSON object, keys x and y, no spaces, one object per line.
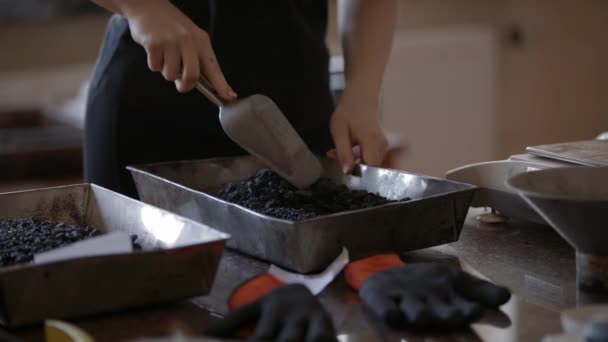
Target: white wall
{"x":439,"y":95}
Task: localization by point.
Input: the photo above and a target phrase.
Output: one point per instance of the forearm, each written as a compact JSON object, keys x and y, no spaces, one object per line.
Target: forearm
{"x":366,"y":31}
{"x":123,"y":7}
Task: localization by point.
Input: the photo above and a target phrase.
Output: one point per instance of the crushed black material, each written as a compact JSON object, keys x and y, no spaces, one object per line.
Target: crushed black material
{"x":267,"y":193}
{"x":21,"y":238}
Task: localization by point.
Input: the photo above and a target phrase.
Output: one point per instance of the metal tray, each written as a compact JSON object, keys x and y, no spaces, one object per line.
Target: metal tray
{"x":434,"y":216}
{"x":178,"y":260}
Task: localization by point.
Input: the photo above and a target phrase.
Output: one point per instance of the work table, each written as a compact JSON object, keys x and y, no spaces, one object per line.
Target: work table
{"x":532,"y":260}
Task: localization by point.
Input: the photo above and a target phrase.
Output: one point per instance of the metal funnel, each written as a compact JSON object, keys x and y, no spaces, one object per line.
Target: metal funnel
{"x":574,"y":201}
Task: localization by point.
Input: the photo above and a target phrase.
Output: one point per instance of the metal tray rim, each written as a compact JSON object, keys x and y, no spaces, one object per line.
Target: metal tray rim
{"x":75,"y":185}
{"x":222,"y":237}
{"x":138,"y":168}
{"x":18,"y":267}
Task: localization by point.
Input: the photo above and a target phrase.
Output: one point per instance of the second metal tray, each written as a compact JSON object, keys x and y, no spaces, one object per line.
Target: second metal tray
{"x":434,"y":215}
{"x":178,"y":260}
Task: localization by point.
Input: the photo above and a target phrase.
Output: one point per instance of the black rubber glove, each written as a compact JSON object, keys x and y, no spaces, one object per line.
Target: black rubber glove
{"x":287,"y":313}
{"x":429,"y":296}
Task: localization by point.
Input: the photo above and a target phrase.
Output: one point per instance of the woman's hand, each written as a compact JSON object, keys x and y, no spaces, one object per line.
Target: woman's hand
{"x":366,"y":31}
{"x":175,"y":46}
{"x":356,"y":122}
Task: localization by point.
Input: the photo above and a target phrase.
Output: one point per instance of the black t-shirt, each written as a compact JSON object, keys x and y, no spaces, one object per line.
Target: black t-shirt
{"x":271,"y":47}
{"x":276,"y":47}
{"x":206,"y":13}
{"x":263,"y":43}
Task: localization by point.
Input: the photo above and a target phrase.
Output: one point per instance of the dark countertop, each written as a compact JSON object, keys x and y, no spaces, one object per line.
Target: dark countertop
{"x":532,"y":260}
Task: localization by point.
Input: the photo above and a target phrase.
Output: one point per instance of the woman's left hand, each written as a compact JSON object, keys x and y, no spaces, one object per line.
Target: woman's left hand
{"x":356,"y":122}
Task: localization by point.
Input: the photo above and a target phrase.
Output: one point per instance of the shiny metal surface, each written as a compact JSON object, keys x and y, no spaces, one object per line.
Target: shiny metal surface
{"x":589,"y":152}
{"x":178,"y":260}
{"x":204,"y":87}
{"x":434,"y":216}
{"x":490,"y":178}
{"x":257,"y":124}
{"x":574,"y":200}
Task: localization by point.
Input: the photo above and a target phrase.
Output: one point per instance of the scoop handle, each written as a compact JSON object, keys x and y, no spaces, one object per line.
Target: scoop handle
{"x":205,"y":88}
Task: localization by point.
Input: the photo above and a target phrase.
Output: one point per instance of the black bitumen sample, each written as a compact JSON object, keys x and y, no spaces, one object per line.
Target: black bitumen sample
{"x":22,"y":238}
{"x":267,"y":193}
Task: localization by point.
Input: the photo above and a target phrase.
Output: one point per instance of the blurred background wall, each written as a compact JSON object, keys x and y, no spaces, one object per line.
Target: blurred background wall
{"x":468,"y":81}
{"x":476,"y":80}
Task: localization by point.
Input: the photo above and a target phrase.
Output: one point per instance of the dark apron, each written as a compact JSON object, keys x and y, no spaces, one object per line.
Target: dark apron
{"x":272,"y":47}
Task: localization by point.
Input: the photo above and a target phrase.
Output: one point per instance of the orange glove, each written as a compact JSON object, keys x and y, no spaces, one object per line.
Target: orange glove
{"x":356,"y":272}
{"x":252,"y":290}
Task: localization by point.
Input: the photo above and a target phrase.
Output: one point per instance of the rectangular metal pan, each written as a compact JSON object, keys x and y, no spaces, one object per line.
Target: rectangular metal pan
{"x":178,"y":260}
{"x":434,"y":216}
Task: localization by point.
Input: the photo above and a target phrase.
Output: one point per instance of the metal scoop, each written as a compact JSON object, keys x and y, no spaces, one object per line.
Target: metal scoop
{"x":258,"y":126}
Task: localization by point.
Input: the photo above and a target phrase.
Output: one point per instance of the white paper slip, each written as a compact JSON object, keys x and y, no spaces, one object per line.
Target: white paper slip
{"x":106,"y":244}
{"x":314,"y":282}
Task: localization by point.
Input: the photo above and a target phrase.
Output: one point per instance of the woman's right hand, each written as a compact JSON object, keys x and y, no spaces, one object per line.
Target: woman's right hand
{"x":175,"y":46}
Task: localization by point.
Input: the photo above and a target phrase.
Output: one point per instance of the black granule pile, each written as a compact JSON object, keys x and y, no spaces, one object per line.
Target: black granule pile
{"x":267,"y":193}
{"x":21,"y":238}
